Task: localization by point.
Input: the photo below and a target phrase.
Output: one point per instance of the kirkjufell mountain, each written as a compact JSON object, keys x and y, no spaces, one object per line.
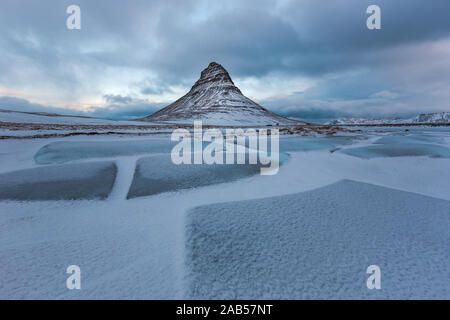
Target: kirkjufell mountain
{"x":215,"y":100}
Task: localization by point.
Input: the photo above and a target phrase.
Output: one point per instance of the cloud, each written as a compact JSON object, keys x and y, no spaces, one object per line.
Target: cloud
{"x":128,"y":53}
{"x":117,"y":98}
{"x":118,"y":108}
{"x":20,"y":104}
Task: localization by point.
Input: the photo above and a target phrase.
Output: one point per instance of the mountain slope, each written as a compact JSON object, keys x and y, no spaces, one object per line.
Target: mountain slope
{"x":215,"y":100}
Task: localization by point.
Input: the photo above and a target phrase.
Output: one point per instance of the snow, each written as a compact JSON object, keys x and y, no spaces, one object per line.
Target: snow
{"x":139,"y":248}
{"x":440,"y":117}
{"x":318,"y":244}
{"x":426,"y":118}
{"x":14,"y":124}
{"x":27,"y":117}
{"x":225,"y":119}
{"x":215,"y":100}
{"x":363,"y":121}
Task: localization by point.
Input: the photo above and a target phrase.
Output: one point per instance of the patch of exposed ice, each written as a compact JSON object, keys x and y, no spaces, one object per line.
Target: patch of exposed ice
{"x":159,"y":174}
{"x":61,"y":182}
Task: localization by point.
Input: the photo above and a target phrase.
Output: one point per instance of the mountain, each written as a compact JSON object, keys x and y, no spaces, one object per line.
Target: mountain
{"x":362,"y":121}
{"x":440,"y":117}
{"x":425,"y":118}
{"x":215,"y":100}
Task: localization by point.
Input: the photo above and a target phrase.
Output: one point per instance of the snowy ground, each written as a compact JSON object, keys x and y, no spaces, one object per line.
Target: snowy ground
{"x":170,"y":245}
{"x":46,"y":118}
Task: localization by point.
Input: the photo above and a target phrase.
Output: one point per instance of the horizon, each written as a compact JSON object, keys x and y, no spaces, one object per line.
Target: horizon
{"x":297,"y":59}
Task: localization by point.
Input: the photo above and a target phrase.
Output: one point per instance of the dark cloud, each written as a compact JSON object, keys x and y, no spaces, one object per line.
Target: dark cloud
{"x":117,"y":98}
{"x":146,"y":48}
{"x":128,"y":112}
{"x":124,"y":108}
{"x":19,"y":104}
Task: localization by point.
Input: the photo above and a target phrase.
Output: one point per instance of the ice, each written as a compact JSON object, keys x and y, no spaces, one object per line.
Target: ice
{"x":316,"y":143}
{"x":72,"y":181}
{"x":402,"y":150}
{"x":402,"y":145}
{"x":318,"y":244}
{"x":137,"y":248}
{"x":411,"y":138}
{"x":64,"y":151}
{"x":159,"y":174}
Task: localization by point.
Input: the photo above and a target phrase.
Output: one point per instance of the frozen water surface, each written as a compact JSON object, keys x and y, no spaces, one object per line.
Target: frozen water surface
{"x":159,"y":174}
{"x":411,"y":138}
{"x":313,"y":244}
{"x":60,"y":182}
{"x":316,"y":144}
{"x":402,"y":145}
{"x":318,"y":244}
{"x":398,"y":150}
{"x":64,"y":151}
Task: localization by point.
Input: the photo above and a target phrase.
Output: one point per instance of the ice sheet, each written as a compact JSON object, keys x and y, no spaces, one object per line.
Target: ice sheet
{"x":72,"y":181}
{"x":158,"y":174}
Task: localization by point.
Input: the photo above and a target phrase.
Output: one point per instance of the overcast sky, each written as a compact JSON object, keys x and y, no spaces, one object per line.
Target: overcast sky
{"x":307,"y":58}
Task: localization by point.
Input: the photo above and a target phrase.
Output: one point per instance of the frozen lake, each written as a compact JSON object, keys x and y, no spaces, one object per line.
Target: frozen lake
{"x":140,"y":226}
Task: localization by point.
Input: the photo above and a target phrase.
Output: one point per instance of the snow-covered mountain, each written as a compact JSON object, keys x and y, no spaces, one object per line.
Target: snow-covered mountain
{"x":440,"y":117}
{"x":425,"y":118}
{"x":215,"y":100}
{"x":359,"y":121}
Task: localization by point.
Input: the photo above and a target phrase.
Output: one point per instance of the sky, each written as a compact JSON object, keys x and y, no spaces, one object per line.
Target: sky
{"x":307,"y":59}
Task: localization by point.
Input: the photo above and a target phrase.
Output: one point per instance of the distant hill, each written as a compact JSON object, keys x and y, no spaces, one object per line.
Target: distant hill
{"x":58,"y":119}
{"x":425,"y":118}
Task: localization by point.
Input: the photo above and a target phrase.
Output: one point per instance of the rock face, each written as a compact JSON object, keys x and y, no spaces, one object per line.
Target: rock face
{"x":215,"y":100}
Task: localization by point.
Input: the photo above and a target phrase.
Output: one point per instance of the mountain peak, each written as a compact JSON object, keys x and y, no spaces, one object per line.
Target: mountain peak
{"x":214,"y":73}
{"x":215,"y":99}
